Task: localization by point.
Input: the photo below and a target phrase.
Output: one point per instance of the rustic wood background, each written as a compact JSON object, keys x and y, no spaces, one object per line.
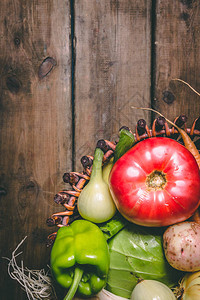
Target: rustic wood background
{"x":69,"y":73}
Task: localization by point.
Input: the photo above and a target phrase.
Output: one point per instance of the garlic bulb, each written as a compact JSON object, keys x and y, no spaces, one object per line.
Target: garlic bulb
{"x":104,"y":295}
{"x":189,"y":288}
{"x":152,"y":290}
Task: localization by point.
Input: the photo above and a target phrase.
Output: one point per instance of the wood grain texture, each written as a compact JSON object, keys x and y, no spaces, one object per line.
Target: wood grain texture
{"x":124,"y":52}
{"x":112,"y":70}
{"x":177,"y":55}
{"x":35,"y":123}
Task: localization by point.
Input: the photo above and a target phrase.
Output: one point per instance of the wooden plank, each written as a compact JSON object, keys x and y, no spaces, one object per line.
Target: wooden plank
{"x":112,"y":70}
{"x":35,"y":126}
{"x":177,"y":44}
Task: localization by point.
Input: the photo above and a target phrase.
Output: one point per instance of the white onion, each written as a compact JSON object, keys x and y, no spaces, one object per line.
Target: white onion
{"x":95,"y":202}
{"x":152,"y":290}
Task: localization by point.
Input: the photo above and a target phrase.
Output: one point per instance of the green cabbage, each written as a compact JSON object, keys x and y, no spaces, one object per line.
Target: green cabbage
{"x":136,"y":253}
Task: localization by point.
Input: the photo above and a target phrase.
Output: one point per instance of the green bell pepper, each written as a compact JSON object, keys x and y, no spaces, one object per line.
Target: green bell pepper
{"x":80,"y":259}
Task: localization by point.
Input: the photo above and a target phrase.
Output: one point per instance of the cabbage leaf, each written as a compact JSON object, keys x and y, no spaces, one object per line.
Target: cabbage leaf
{"x":136,"y":253}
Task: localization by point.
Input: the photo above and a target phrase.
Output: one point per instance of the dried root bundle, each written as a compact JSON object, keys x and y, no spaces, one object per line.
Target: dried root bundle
{"x":36,"y":283}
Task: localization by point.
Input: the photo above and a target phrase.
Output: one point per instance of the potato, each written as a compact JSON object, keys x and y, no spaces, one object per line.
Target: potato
{"x":181,"y":243}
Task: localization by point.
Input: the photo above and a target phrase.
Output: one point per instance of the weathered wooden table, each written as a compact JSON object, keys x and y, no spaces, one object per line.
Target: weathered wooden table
{"x":70,"y":71}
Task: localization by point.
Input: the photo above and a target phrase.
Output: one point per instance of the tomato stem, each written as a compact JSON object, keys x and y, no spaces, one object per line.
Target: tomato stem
{"x":156,"y":180}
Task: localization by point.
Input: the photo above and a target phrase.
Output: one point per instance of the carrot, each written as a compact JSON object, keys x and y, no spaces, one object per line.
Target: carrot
{"x":189,"y":144}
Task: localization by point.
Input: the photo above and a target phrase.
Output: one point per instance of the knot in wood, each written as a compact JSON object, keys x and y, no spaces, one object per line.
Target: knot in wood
{"x":168,"y":97}
{"x":3,"y":191}
{"x":13,"y":84}
{"x":17,"y":41}
{"x":46,"y":67}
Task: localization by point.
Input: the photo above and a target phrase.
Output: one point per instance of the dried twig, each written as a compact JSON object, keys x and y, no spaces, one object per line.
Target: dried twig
{"x":177,"y":79}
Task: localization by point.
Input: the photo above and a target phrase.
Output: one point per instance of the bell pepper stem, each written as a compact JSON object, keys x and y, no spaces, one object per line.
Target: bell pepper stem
{"x":78,"y":273}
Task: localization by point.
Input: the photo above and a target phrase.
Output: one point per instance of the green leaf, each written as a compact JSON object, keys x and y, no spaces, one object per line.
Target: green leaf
{"x":126,"y":141}
{"x":113,"y":226}
{"x":136,"y":253}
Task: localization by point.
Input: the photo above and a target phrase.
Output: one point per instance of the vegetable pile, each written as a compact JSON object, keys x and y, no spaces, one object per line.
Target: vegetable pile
{"x":131,"y":224}
{"x":137,"y":233}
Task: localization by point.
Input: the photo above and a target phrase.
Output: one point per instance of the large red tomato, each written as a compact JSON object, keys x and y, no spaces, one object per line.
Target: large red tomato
{"x":156,"y":183}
